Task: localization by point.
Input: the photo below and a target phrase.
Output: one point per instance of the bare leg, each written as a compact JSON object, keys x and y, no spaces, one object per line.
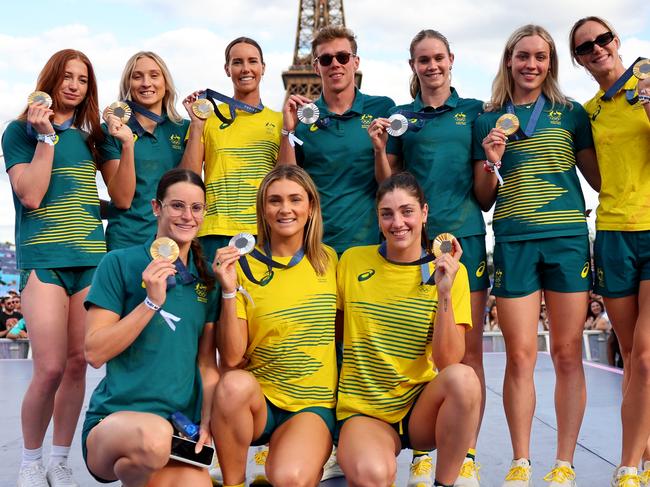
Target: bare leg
{"x":176,"y":473}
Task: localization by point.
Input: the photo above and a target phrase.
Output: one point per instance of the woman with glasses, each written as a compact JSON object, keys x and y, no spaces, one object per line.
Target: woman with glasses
{"x":620,"y":122}
{"x":539,"y":218}
{"x":156,"y":338}
{"x":239,"y":146}
{"x":138,"y":152}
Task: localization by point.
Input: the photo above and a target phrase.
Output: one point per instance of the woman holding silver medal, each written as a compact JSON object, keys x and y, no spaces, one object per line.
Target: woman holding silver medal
{"x":277,"y":325}
{"x":151,"y":310}
{"x":437,"y":140}
{"x":50,"y":153}
{"x":145,"y":139}
{"x":620,"y":122}
{"x":527,"y":163}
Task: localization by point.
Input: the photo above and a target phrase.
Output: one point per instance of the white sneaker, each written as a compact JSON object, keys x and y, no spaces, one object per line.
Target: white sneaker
{"x":519,"y":474}
{"x":645,"y":474}
{"x":32,"y":476}
{"x":626,"y":477}
{"x":561,"y":475}
{"x":60,"y":475}
{"x":331,"y":468}
{"x":258,"y":472}
{"x":215,"y":472}
{"x":420,"y":472}
{"x":468,"y":476}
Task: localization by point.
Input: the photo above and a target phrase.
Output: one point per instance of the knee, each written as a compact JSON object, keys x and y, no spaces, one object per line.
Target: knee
{"x":291,"y":476}
{"x":463,"y":386}
{"x":234,"y":389}
{"x":521,"y":362}
{"x":75,"y":366}
{"x":568,"y":358}
{"x":371,"y":473}
{"x":48,"y":375}
{"x":641,"y":366}
{"x":153,"y":447}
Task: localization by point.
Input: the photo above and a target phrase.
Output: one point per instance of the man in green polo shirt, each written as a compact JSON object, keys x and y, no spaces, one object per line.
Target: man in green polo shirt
{"x":336,"y":150}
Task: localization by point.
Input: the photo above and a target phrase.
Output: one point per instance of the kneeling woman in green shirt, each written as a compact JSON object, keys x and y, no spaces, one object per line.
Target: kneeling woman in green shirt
{"x":156,"y":337}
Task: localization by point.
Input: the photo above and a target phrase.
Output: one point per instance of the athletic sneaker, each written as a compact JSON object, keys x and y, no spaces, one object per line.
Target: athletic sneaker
{"x":420,"y":474}
{"x":645,"y":474}
{"x":32,"y":476}
{"x":60,"y":475}
{"x":331,"y":468}
{"x":626,"y":477}
{"x":215,"y":472}
{"x":519,"y":474}
{"x":561,"y":475}
{"x":468,"y":476}
{"x":258,"y":472}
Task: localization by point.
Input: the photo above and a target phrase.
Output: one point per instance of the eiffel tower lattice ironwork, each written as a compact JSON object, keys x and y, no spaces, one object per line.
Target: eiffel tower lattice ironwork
{"x":313,"y":15}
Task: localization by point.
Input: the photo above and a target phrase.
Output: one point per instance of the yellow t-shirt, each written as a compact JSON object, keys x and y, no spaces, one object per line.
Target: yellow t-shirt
{"x":237,"y":157}
{"x":622,"y":138}
{"x":291,"y":332}
{"x":387,"y":334}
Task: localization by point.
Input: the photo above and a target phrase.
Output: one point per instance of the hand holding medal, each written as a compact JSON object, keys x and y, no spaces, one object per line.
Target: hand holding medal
{"x":164,"y":251}
{"x":448,"y":252}
{"x":39,"y":112}
{"x":642,"y":73}
{"x":225,"y":262}
{"x":116,"y":116}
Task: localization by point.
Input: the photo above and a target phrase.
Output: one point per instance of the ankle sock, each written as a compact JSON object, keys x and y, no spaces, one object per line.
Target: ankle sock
{"x":31,"y":456}
{"x":59,"y":454}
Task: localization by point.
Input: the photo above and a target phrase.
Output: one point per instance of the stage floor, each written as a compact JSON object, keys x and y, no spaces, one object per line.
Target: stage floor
{"x":596,"y":455}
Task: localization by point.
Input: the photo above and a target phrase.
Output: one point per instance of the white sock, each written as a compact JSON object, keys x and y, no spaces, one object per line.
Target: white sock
{"x":31,"y":456}
{"x":59,"y":454}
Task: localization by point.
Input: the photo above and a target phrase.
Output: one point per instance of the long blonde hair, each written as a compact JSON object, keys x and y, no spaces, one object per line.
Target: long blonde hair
{"x":169,"y":100}
{"x":503,"y":86}
{"x":313,"y":236}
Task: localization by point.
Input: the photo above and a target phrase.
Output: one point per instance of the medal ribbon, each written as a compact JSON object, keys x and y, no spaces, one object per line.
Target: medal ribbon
{"x":266,"y":258}
{"x":532,"y":122}
{"x":422,"y":116}
{"x":233,"y":105}
{"x":57,"y":128}
{"x":169,"y":318}
{"x":323,"y":123}
{"x":423,"y":262}
{"x":618,"y":84}
{"x":185,"y":275}
{"x":133,"y":123}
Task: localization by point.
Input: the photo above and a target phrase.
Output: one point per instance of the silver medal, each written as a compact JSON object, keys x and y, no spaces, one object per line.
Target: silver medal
{"x":398,"y":125}
{"x":243,"y":242}
{"x":308,"y":113}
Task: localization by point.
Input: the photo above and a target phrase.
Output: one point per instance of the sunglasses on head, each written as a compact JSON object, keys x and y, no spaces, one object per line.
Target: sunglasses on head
{"x":587,"y":47}
{"x":341,"y":57}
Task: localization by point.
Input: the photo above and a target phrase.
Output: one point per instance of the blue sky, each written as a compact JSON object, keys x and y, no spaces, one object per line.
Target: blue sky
{"x":191,"y":35}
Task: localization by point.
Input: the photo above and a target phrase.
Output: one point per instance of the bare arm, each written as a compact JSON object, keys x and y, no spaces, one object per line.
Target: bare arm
{"x":194,"y":153}
{"x":588,"y":165}
{"x":385,"y":164}
{"x":287,"y":153}
{"x":119,"y":174}
{"x":485,"y":183}
{"x":207,"y":360}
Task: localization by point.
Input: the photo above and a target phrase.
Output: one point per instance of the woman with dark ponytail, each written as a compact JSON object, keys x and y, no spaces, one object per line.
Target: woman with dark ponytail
{"x":156,"y":338}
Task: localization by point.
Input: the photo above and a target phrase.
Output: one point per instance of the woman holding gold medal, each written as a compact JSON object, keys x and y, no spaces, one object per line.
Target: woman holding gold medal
{"x":620,"y":122}
{"x":402,"y":384}
{"x":437,"y":141}
{"x":151,"y":310}
{"x":277,"y":324}
{"x":527,"y":163}
{"x":145,"y":139}
{"x":49,"y":153}
{"x":239,"y":144}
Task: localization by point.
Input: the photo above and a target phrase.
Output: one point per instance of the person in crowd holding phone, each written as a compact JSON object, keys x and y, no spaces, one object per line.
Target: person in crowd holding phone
{"x":150,"y":320}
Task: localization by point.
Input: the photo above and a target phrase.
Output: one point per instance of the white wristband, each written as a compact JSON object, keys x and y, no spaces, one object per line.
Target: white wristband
{"x":229,"y":295}
{"x":150,"y":304}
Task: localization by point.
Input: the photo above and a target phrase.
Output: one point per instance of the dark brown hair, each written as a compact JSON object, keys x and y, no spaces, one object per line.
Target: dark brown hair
{"x":331,"y":32}
{"x":245,"y":40}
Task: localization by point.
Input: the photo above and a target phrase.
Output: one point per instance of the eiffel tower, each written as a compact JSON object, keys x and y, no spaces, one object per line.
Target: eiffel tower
{"x":313,"y":15}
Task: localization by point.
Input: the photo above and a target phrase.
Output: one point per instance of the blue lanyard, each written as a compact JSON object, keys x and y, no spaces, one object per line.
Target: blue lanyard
{"x":133,"y":123}
{"x":422,"y":116}
{"x":57,"y":128}
{"x":532,"y":122}
{"x":423,"y":262}
{"x":618,"y":84}
{"x":233,"y":105}
{"x":267,"y":258}
{"x":184,"y":274}
{"x":323,"y":123}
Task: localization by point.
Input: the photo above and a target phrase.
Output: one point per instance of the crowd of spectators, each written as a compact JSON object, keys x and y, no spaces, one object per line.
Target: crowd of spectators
{"x":12,"y":323}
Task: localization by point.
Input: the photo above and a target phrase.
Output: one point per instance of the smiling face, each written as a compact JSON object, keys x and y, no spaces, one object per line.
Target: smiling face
{"x":601,"y":60}
{"x":286,"y":209}
{"x":337,"y":77}
{"x":180,"y":225}
{"x":529,"y":66}
{"x":147,"y":84}
{"x":245,"y":68}
{"x":74,"y":86}
{"x":432,"y":63}
{"x":596,"y":308}
{"x":401,"y":220}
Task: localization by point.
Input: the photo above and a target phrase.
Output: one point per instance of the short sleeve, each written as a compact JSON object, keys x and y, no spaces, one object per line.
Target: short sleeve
{"x":110,"y":148}
{"x":17,"y":146}
{"x":583,"y":136}
{"x":108,"y":287}
{"x":479,"y":131}
{"x":460,"y":297}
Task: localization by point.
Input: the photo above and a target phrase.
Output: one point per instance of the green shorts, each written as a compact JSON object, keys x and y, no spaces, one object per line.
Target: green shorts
{"x":212,"y":243}
{"x":275,"y":417}
{"x":475,"y":260}
{"x":72,"y":279}
{"x":560,"y":264}
{"x":622,"y":260}
{"x":89,"y":423}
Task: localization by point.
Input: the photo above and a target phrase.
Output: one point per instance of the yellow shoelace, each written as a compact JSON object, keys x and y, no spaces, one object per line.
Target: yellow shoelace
{"x":630,"y":480}
{"x":560,"y":474}
{"x":468,"y":469}
{"x":645,"y":477}
{"x":422,"y":467}
{"x":260,"y":457}
{"x":518,"y":473}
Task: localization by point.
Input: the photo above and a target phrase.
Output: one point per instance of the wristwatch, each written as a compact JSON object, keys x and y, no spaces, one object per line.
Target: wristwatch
{"x":48,"y":139}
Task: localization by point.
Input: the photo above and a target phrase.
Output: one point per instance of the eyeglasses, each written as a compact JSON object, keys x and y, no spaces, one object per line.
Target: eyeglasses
{"x":341,"y":57}
{"x":178,"y":208}
{"x":587,"y":47}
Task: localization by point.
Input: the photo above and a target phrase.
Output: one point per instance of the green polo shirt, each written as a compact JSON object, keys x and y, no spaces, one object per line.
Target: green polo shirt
{"x":541,"y":197}
{"x":439,"y":155}
{"x":66,"y":230}
{"x":341,"y":161}
{"x":155,"y":154}
{"x":158,"y":372}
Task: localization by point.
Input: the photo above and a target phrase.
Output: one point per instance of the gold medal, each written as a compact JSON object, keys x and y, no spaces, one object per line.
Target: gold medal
{"x":642,"y":69}
{"x":120,"y":109}
{"x":40,"y":97}
{"x":443,"y":244}
{"x":202,"y":108}
{"x":508,"y":122}
{"x":166,"y":248}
